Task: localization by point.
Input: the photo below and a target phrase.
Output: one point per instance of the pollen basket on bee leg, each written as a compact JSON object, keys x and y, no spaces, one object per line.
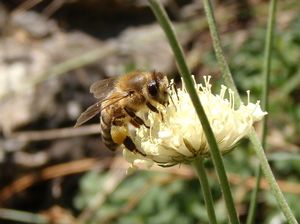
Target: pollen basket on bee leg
{"x":119,"y":134}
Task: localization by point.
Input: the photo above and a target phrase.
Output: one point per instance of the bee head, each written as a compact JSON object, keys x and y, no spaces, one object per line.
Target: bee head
{"x":157,"y":88}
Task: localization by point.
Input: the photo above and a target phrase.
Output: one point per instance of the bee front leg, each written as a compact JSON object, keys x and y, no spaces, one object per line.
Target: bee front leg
{"x":134,"y":117}
{"x":154,"y":109}
{"x":151,"y":107}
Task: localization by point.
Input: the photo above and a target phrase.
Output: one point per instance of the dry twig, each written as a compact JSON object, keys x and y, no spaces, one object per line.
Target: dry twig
{"x":28,"y":136}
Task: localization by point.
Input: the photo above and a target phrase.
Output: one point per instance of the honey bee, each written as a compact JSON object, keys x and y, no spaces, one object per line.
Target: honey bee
{"x":119,"y":100}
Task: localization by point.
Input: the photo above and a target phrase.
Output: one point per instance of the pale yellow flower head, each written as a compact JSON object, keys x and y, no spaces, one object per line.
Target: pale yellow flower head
{"x":179,"y":137}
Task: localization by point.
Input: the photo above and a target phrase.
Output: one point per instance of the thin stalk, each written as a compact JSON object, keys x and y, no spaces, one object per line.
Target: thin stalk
{"x":254,"y":195}
{"x":264,"y":103}
{"x":287,"y":87}
{"x":271,"y":179}
{"x":22,"y":217}
{"x":209,"y":203}
{"x":165,"y":23}
{"x":252,"y":135}
{"x":226,"y":74}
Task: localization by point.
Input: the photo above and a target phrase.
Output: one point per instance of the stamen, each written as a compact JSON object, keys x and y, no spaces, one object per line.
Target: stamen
{"x":193,"y":77}
{"x":230,"y":98}
{"x":248,"y":96}
{"x":231,"y":93}
{"x":223,"y":91}
{"x":207,"y":84}
{"x":174,"y":90}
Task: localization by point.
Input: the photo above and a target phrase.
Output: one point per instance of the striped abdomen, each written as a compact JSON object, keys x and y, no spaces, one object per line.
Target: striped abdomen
{"x":106,"y":124}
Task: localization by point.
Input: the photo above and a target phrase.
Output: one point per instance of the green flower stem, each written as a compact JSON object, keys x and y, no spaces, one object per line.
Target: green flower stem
{"x":189,"y":85}
{"x":209,"y":203}
{"x":271,"y":179}
{"x":264,"y":103}
{"x":227,"y":76}
{"x":253,"y":136}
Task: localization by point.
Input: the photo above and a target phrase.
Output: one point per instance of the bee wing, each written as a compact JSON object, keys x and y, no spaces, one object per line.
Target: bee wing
{"x":101,"y":88}
{"x":96,"y":108}
{"x":88,"y":114}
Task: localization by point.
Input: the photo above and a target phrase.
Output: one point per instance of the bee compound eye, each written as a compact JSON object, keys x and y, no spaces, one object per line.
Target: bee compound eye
{"x":152,"y":88}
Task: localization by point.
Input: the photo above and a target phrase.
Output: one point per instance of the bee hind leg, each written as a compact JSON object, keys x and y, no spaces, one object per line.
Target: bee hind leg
{"x":134,"y":117}
{"x":119,"y":135}
{"x":129,"y":144}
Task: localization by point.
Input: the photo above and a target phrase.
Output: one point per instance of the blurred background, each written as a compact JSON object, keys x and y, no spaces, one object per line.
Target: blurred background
{"x":51,"y":51}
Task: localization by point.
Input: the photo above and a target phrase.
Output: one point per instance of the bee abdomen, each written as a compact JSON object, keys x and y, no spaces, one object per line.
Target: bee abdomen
{"x":107,"y":139}
{"x":105,"y":124}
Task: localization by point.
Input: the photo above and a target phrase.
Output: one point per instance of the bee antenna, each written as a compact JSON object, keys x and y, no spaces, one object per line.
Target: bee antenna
{"x":172,"y":84}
